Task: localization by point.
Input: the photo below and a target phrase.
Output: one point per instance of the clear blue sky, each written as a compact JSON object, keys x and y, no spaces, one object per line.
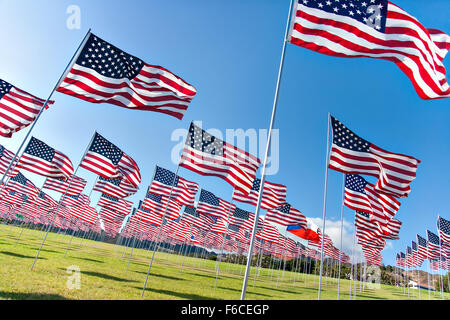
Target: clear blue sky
{"x":230,"y":52}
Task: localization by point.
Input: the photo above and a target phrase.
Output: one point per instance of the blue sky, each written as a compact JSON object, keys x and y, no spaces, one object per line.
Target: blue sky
{"x":230,"y":52}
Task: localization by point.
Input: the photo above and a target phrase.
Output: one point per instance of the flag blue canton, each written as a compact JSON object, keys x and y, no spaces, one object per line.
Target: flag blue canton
{"x":422,"y":241}
{"x":108,"y":60}
{"x":20,"y":178}
{"x":408,"y":250}
{"x":105,"y":148}
{"x":115,"y":182}
{"x":364,"y":214}
{"x":286,"y":208}
{"x":166,"y":177}
{"x":233,"y":228}
{"x":154,"y":197}
{"x":41,"y":195}
{"x":241,"y":214}
{"x":414,"y":245}
{"x":209,"y":198}
{"x":433,"y":238}
{"x":402,"y":255}
{"x":5,"y":87}
{"x":201,"y":140}
{"x":345,"y":138}
{"x":191,"y":211}
{"x":40,"y":149}
{"x":2,"y":149}
{"x":111,"y":198}
{"x":444,"y":225}
{"x":370,"y":12}
{"x":355,"y":182}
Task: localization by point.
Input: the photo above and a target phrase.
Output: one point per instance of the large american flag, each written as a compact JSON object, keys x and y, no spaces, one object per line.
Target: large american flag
{"x":375,"y":29}
{"x":351,"y":154}
{"x":422,"y":245}
{"x":17,"y":108}
{"x":268,"y":233}
{"x":74,"y":201}
{"x":242,"y":218}
{"x":109,"y":161}
{"x":183,"y":190}
{"x":74,"y":185}
{"x":207,"y":155}
{"x":444,"y":229}
{"x":361,"y":195}
{"x":214,"y":206}
{"x":149,"y":217}
{"x":286,"y":216}
{"x":42,"y":159}
{"x":273,"y":196}
{"x":105,"y":74}
{"x":119,"y":187}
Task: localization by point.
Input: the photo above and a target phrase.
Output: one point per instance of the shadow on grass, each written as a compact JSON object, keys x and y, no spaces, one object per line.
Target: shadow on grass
{"x":30,"y":296}
{"x":285,"y":291}
{"x":370,"y":297}
{"x":248,"y":292}
{"x":105,"y":276}
{"x":86,"y":259}
{"x":188,"y":296}
{"x":158,"y":275}
{"x":17,"y":255}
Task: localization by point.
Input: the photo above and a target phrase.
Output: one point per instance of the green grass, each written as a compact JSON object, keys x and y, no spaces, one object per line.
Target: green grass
{"x":104,"y":276}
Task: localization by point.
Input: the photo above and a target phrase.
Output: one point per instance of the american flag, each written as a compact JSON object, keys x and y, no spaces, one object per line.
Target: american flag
{"x":12,"y":197}
{"x":17,"y":108}
{"x":45,"y":200}
{"x":242,"y":218}
{"x":422,"y":245}
{"x":149,"y":217}
{"x":116,"y":204}
{"x":118,"y":187}
{"x":362,"y":221}
{"x":444,"y":229}
{"x":110,"y":162}
{"x":214,"y":206}
{"x":73,"y":201}
{"x":105,"y":74}
{"x":85,"y":213}
{"x":360,"y":195}
{"x":268,"y":233}
{"x":434,"y":245}
{"x":74,"y":185}
{"x":207,"y":155}
{"x":42,"y":159}
{"x":219,"y":226}
{"x":22,"y":185}
{"x":273,"y":196}
{"x":392,"y":229}
{"x":377,"y":29}
{"x":286,"y":216}
{"x":6,"y":158}
{"x":183,"y":191}
{"x":351,"y":154}
{"x":157,"y":204}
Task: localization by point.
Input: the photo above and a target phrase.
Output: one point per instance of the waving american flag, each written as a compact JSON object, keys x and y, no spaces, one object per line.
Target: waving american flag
{"x":273,"y":196}
{"x":42,"y":159}
{"x":375,"y":29}
{"x":351,"y":154}
{"x":108,"y":161}
{"x":105,"y":74}
{"x":18,"y":108}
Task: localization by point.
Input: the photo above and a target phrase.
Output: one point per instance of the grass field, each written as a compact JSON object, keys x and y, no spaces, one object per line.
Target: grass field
{"x":104,"y":275}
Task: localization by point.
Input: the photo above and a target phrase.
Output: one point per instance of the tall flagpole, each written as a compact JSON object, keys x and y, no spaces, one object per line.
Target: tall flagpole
{"x":342,"y":227}
{"x":324,"y":207}
{"x":66,"y":70}
{"x":269,"y":140}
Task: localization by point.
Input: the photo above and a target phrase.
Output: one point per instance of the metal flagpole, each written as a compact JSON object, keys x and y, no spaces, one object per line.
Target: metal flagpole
{"x":55,"y":211}
{"x":66,"y":70}
{"x":223,"y":241}
{"x":134,"y":243}
{"x":263,"y":174}
{"x":342,"y":227}
{"x":156,"y":245}
{"x":324,"y":206}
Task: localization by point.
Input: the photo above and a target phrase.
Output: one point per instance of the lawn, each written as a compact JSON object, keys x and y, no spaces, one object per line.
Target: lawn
{"x":104,"y":275}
